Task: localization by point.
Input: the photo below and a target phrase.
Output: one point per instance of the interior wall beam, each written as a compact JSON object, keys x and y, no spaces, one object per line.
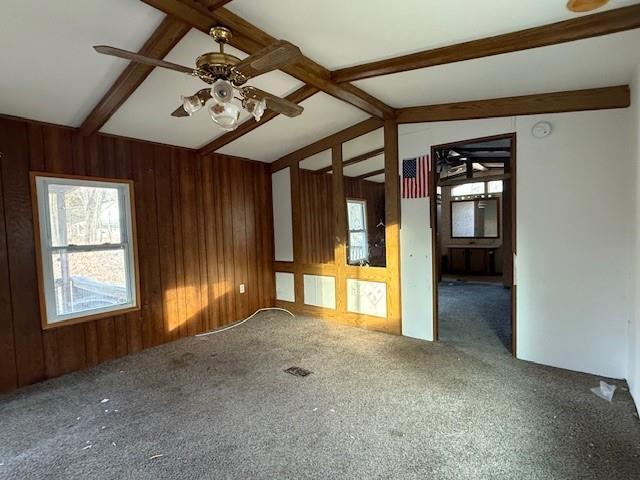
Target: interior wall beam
{"x":557,"y":102}
{"x":588,"y":26}
{"x":357,"y":159}
{"x":298,"y":96}
{"x":249,"y":39}
{"x":392,"y":225}
{"x":159,"y":44}
{"x":326,"y":143}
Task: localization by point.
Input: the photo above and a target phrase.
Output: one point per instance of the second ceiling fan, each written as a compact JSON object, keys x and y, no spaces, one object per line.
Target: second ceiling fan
{"x":227,"y":75}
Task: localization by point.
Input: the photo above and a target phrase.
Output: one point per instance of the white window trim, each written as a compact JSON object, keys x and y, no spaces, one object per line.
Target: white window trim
{"x":364,"y":230}
{"x":49,"y":316}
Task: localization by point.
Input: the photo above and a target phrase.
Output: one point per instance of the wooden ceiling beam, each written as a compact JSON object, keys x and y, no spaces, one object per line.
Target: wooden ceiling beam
{"x":159,"y":44}
{"x":588,"y":26}
{"x":557,"y":102}
{"x":249,"y":39}
{"x":357,"y":159}
{"x":298,"y":96}
{"x":326,"y":143}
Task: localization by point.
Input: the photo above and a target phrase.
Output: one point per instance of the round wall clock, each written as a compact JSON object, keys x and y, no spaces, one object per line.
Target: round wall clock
{"x":541,"y":129}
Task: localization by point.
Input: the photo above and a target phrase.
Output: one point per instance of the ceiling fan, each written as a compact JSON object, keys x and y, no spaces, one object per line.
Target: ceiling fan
{"x":227,"y":76}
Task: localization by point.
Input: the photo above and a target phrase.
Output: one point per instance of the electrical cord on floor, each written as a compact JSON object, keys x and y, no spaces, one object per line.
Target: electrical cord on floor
{"x":246,"y":319}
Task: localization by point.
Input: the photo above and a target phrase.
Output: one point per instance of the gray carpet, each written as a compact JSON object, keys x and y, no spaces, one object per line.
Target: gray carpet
{"x":475,"y":314}
{"x":375,"y":406}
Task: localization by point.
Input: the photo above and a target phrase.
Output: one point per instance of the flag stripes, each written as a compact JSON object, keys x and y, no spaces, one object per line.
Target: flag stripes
{"x":415,"y":177}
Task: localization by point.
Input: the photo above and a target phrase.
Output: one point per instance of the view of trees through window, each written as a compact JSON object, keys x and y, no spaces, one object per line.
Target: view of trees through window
{"x":357,"y":224}
{"x":88,"y":252}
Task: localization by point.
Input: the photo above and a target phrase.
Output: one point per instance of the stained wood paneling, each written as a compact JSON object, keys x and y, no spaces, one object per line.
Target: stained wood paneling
{"x":203,"y":225}
{"x":316,"y":222}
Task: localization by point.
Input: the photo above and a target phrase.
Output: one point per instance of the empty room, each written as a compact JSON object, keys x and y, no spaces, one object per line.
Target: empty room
{"x":310,"y":240}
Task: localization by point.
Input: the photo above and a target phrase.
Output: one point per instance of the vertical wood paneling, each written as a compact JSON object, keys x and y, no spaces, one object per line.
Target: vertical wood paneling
{"x":21,"y":252}
{"x":168,"y":279}
{"x":239,"y":238}
{"x":210,"y":238}
{"x":227,"y":230}
{"x":58,"y":154}
{"x":203,"y":282}
{"x":316,"y":224}
{"x":144,"y":176}
{"x":8,"y":373}
{"x":190,"y":244}
{"x":204,"y":226}
{"x":250,"y":232}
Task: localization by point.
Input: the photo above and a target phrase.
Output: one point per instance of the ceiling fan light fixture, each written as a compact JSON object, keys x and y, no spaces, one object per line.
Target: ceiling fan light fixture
{"x":225,"y":115}
{"x":222,"y":91}
{"x":255,"y":107}
{"x":191,"y":104}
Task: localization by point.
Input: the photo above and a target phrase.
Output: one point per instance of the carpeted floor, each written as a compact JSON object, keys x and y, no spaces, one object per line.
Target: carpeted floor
{"x":376,"y":406}
{"x":475,"y":314}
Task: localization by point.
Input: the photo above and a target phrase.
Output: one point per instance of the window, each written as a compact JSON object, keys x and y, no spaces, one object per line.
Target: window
{"x":475,"y":188}
{"x":87,"y":248}
{"x":357,"y":222}
{"x":494,"y":186}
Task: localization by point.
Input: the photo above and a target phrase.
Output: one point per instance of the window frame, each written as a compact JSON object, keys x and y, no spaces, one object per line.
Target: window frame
{"x":44,"y":250}
{"x":364,"y":230}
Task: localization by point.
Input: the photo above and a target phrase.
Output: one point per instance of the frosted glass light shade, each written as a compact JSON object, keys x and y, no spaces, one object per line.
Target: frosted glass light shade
{"x":225,"y":115}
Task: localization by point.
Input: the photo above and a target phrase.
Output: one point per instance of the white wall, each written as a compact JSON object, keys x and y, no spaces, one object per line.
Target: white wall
{"x":282,"y":219}
{"x":633,"y":375}
{"x":575,"y":230}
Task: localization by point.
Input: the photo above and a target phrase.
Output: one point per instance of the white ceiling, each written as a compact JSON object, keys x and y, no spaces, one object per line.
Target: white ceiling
{"x":147,"y":113}
{"x":376,"y":178}
{"x":363,"y":144}
{"x":322,"y":116}
{"x":596,"y":62}
{"x":317,"y":161}
{"x":370,"y":165}
{"x":50,"y":72}
{"x":62,"y":85}
{"x":345,"y":33}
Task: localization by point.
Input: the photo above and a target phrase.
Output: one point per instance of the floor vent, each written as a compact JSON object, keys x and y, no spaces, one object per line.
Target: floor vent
{"x":297,"y":371}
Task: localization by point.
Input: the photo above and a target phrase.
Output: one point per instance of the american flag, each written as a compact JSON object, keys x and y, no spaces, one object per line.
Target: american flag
{"x":415,"y":177}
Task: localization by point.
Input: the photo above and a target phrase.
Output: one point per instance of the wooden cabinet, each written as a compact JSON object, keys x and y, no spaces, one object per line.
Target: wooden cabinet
{"x":472,"y":260}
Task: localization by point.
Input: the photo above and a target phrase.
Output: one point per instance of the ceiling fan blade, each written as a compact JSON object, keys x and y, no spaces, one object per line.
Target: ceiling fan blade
{"x":135,"y":57}
{"x":204,"y":95}
{"x":275,"y":103}
{"x":269,"y":58}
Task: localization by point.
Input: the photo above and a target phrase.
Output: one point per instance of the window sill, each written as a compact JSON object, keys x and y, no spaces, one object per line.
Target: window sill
{"x":87,"y":318}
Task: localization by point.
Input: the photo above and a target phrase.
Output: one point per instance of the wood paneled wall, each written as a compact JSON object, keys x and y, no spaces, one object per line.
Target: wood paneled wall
{"x":316,"y":203}
{"x":339,"y":268}
{"x":204,"y":226}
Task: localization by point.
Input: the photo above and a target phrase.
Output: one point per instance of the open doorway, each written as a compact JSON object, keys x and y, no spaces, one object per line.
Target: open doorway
{"x":474,"y":242}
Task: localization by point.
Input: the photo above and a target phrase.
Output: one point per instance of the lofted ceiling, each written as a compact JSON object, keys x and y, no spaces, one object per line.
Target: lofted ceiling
{"x":592,"y":63}
{"x":322,"y":116}
{"x":146,"y":113}
{"x":54,"y":75}
{"x":346,"y":33}
{"x":64,"y":84}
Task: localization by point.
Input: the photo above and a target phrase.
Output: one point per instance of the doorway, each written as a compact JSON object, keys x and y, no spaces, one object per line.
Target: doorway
{"x":473,"y":241}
